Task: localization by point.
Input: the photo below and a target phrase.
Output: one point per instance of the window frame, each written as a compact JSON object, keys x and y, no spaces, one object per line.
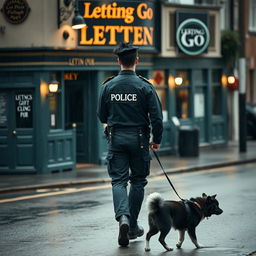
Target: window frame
{"x":252,"y":15}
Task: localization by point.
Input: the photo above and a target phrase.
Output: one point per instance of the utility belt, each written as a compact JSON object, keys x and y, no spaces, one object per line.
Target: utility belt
{"x":141,"y":130}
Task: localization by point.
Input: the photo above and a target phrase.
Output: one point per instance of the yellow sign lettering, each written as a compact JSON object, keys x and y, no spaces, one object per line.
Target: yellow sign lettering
{"x":127,"y":30}
{"x":144,"y":12}
{"x":138,"y":34}
{"x":99,"y":35}
{"x":84,"y":38}
{"x":109,"y":11}
{"x":112,"y":30}
{"x":81,"y":62}
{"x":138,"y":40}
{"x":148,"y":35}
{"x":71,"y":76}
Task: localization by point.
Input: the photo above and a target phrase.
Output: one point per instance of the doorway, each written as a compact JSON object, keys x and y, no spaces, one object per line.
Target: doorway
{"x":17,"y":131}
{"x":80,"y":100}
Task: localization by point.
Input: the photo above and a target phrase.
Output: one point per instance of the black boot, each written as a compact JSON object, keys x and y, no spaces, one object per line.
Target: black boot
{"x":123,"y":239}
{"x":136,"y":232}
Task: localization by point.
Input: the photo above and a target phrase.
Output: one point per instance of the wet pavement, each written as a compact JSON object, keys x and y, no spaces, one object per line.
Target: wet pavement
{"x":82,"y":223}
{"x":209,"y":157}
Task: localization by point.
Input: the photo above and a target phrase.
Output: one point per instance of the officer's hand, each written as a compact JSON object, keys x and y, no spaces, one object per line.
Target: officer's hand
{"x":153,"y":146}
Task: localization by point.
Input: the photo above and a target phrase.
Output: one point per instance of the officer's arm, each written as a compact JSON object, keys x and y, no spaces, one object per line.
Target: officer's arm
{"x":155,"y":115}
{"x":102,"y":105}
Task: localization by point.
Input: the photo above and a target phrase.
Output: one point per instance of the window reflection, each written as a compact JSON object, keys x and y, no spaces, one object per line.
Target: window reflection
{"x":216,"y":92}
{"x":159,"y":81}
{"x":182,"y":103}
{"x":183,"y":95}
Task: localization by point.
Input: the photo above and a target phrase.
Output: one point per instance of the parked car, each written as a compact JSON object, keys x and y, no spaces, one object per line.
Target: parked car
{"x":251,"y":120}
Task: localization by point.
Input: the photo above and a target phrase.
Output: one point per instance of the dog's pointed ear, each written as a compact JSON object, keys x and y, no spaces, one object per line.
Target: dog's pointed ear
{"x":214,"y":196}
{"x":204,"y":195}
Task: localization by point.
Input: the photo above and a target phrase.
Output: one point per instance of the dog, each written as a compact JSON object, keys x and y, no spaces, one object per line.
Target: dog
{"x":182,"y":215}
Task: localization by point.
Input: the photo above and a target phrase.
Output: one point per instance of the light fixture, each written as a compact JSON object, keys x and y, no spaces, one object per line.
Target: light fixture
{"x":232,"y":82}
{"x":78,"y":20}
{"x":53,"y":84}
{"x":171,"y":82}
{"x":224,"y":80}
{"x":178,"y":80}
{"x":231,"y":79}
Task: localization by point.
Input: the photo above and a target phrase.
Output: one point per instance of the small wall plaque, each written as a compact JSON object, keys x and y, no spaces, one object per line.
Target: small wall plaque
{"x":15,"y":11}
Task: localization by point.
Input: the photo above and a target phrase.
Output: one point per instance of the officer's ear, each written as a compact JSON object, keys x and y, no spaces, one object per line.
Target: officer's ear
{"x":137,"y":60}
{"x":119,"y":61}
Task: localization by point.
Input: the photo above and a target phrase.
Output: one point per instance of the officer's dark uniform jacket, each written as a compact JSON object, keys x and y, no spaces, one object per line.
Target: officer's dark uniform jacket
{"x":128,"y":100}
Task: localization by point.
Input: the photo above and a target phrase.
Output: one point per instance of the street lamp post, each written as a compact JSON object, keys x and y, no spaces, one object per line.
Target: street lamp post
{"x":242,"y":77}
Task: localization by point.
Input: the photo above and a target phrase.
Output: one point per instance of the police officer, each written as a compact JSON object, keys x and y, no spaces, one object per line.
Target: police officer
{"x":129,"y":105}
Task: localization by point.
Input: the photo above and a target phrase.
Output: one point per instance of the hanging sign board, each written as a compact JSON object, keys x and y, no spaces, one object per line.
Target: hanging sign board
{"x":109,"y":23}
{"x":15,"y":11}
{"x":24,"y":109}
{"x":192,"y":33}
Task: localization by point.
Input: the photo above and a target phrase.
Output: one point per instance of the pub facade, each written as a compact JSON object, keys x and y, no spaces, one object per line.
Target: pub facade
{"x":50,"y":76}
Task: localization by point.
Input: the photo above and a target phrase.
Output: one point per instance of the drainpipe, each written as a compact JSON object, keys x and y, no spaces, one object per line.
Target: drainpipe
{"x":242,"y":76}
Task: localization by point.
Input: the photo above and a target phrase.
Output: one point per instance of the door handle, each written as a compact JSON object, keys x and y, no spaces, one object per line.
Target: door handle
{"x":14,"y":132}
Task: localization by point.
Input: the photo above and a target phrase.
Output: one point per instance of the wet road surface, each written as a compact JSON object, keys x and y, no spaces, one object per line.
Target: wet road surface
{"x":80,"y":221}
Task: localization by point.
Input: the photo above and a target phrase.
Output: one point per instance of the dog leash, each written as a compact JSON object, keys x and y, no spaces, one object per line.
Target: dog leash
{"x":158,"y":160}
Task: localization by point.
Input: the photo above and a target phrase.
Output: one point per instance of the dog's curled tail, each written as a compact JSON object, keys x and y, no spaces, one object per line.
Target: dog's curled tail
{"x":154,"y":202}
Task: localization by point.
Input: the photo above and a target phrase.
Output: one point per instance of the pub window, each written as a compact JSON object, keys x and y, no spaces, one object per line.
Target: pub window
{"x":183,"y":92}
{"x":197,"y":2}
{"x":216,"y":92}
{"x":252,"y":18}
{"x":159,"y":82}
{"x":55,"y":107}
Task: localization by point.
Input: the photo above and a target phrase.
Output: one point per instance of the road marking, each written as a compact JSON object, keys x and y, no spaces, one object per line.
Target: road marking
{"x":69,"y":191}
{"x":78,"y":190}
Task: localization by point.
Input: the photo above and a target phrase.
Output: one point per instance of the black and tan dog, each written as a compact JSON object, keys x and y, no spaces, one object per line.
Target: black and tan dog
{"x":181,"y":215}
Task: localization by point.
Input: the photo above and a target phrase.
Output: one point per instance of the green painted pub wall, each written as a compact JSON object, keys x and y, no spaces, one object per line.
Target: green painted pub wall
{"x":36,"y":149}
{"x":41,"y":149}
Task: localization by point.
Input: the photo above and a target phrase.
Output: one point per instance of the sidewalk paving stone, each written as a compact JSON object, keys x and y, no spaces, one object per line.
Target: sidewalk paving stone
{"x":209,"y":157}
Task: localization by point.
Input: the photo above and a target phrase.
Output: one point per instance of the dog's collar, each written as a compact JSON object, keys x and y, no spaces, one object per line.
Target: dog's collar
{"x":198,"y":205}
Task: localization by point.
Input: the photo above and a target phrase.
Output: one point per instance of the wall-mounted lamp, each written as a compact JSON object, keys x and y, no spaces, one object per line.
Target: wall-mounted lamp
{"x":66,"y":8}
{"x":53,"y":85}
{"x":231,"y":79}
{"x":178,"y":80}
{"x":78,"y":20}
{"x":233,"y":82}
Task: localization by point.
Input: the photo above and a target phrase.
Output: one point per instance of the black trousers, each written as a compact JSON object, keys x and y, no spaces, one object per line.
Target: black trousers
{"x":128,"y":160}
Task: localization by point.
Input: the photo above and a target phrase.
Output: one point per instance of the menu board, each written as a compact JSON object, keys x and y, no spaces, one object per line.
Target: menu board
{"x":24,"y":109}
{"x":3,"y":110}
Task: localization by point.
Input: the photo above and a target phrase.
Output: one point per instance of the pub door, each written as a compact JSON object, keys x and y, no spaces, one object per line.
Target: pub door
{"x":77,"y":111}
{"x":200,"y":110}
{"x":17,"y":152}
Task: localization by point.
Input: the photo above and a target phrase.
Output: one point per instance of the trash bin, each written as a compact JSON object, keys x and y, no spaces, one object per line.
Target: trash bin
{"x":188,"y":141}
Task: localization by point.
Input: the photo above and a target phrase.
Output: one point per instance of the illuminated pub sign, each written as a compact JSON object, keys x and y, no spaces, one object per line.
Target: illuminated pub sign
{"x":192,"y":33}
{"x":110,"y":22}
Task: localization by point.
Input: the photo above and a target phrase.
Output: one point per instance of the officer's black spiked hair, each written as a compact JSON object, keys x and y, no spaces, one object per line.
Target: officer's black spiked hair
{"x":126,"y":53}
